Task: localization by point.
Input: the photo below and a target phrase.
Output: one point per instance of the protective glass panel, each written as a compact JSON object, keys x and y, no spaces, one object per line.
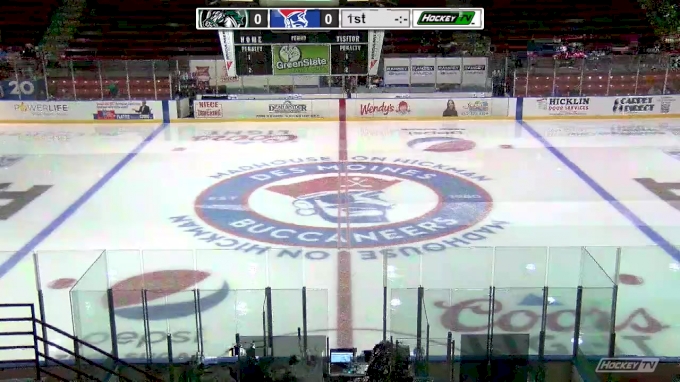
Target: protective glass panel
{"x":560,"y":319}
{"x":90,"y":309}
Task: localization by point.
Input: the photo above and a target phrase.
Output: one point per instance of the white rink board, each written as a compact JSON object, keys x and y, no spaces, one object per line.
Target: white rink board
{"x":270,"y":110}
{"x":599,"y":107}
{"x":430,"y":108}
{"x":81,"y":111}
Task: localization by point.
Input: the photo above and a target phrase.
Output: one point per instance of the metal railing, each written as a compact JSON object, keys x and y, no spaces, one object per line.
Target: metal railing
{"x":105,"y":366}
{"x":28,"y":79}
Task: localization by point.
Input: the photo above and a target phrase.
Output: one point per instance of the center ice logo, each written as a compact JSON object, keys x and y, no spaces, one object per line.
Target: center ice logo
{"x":303,"y":205}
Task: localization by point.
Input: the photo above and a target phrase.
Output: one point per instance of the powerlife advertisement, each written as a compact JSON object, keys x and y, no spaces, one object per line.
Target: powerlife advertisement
{"x":123,"y":110}
{"x":565,"y":105}
{"x":301,"y":59}
{"x":41,"y":110}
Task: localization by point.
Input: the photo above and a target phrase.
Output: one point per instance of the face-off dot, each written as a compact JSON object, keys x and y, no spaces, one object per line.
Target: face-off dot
{"x":628,"y":279}
{"x":506,"y":146}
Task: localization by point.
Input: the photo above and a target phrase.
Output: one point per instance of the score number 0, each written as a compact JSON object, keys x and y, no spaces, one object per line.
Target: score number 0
{"x":330,"y":18}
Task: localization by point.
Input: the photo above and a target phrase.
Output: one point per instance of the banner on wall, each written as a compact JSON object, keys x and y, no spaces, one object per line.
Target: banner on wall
{"x":423,"y":70}
{"x":375,"y":45}
{"x":475,"y":71}
{"x":449,"y":70}
{"x":228,"y":51}
{"x":397,"y":71}
{"x":465,"y":71}
{"x":21,"y":90}
{"x":213,"y":72}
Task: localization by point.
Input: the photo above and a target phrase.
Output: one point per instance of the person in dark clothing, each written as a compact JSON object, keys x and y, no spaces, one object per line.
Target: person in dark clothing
{"x":144,"y":109}
{"x":450,"y":109}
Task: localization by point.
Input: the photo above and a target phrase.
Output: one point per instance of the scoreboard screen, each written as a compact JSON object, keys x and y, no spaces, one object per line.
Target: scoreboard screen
{"x":323,"y":41}
{"x":267,"y":53}
{"x":340,"y":18}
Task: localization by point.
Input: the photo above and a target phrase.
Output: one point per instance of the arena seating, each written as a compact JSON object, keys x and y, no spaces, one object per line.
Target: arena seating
{"x":142,"y":29}
{"x":24,"y":21}
{"x":614,"y":75}
{"x":158,"y":29}
{"x":94,"y":89}
{"x":595,"y":85}
{"x":517,"y":21}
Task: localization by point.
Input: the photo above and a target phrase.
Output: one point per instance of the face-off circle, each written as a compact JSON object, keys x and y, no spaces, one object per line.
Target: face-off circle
{"x":382,"y":203}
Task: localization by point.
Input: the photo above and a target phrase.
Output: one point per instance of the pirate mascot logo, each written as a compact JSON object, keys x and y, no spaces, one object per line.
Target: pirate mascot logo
{"x":223,"y":18}
{"x":359,"y":200}
{"x":302,"y":205}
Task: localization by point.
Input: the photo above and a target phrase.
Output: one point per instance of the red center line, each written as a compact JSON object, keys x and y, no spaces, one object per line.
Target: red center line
{"x":344,"y":297}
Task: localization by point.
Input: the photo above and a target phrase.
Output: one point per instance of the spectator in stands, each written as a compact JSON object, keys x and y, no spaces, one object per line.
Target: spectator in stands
{"x":113,"y":90}
{"x":28,"y":51}
{"x":654,"y":90}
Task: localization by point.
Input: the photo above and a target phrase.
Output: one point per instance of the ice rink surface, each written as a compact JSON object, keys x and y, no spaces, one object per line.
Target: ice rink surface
{"x":451,"y":206}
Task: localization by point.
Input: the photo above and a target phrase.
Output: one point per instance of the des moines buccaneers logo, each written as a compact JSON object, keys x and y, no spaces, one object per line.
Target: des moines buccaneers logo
{"x":385,"y":204}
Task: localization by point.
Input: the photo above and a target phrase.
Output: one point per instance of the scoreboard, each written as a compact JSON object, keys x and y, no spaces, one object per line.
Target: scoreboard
{"x":323,"y":41}
{"x":261,"y":52}
{"x":340,"y":18}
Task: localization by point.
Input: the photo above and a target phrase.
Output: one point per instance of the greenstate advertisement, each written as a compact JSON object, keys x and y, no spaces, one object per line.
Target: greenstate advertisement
{"x":301,"y":59}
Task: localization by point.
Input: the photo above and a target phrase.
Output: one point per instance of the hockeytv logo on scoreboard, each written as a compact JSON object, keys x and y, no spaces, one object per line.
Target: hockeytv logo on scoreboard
{"x":627,"y":365}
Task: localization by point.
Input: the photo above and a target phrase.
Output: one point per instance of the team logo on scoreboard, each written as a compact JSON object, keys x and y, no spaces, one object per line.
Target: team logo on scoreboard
{"x":222,"y":18}
{"x":294,"y":18}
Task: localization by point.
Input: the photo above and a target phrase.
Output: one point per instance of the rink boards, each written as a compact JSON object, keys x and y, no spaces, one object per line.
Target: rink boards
{"x":434,"y":106}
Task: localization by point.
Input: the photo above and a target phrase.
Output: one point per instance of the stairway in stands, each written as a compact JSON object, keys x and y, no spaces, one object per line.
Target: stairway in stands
{"x":42,"y":350}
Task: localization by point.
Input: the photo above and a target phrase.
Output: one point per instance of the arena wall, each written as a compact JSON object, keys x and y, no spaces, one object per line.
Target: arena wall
{"x":392,"y":107}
